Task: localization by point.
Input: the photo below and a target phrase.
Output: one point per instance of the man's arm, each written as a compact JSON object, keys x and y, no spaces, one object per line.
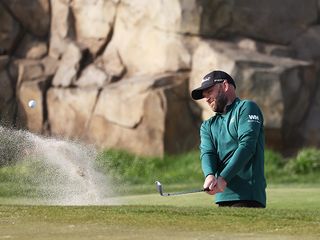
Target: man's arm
{"x":208,"y":153}
{"x":250,"y":123}
{"x":208,"y":157}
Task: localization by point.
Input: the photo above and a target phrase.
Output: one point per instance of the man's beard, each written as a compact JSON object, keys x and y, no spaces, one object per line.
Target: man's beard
{"x":221,"y":102}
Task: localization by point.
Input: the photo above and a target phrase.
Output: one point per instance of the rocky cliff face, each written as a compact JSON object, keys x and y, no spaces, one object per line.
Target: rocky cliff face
{"x":118,"y":73}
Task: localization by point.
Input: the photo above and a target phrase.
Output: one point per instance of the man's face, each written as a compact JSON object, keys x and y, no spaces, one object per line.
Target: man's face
{"x":216,"y":98}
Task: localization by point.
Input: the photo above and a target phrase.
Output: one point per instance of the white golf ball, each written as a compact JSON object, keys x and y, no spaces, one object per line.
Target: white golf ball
{"x":32,"y":103}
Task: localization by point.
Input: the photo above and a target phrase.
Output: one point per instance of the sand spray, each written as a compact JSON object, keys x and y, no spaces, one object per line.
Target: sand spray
{"x":63,"y":171}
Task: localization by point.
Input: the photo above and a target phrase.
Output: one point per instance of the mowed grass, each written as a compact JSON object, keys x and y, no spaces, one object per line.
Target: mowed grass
{"x":293,"y":212}
{"x":139,"y":212}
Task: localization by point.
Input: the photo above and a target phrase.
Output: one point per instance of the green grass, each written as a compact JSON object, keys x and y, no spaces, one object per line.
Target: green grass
{"x":292,"y":213}
{"x":149,"y":222}
{"x":175,"y":169}
{"x":138,"y":212}
{"x":297,"y":197}
{"x":125,"y":167}
{"x":136,"y":175}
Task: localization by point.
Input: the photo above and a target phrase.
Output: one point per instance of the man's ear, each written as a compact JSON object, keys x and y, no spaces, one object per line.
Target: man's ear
{"x":226,"y":85}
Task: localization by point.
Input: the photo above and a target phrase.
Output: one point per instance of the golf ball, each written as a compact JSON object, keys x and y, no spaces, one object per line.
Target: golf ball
{"x":32,"y":103}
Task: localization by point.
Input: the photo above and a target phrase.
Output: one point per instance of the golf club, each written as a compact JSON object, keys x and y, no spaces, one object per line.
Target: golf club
{"x":160,"y":190}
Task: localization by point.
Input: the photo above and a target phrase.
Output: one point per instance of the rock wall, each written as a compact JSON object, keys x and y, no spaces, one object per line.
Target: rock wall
{"x":118,"y":73}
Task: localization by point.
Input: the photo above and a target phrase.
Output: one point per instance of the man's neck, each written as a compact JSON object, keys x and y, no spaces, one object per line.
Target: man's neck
{"x":230,"y":101}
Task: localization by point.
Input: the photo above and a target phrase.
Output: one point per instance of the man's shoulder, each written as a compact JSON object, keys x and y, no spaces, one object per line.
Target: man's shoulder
{"x":249,"y":109}
{"x":247,"y":103}
{"x":208,"y":122}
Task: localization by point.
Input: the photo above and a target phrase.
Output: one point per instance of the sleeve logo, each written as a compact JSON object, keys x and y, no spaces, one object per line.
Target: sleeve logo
{"x":254,"y":118}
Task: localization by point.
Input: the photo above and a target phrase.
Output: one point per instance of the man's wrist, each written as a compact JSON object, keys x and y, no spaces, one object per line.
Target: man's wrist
{"x":222,"y":178}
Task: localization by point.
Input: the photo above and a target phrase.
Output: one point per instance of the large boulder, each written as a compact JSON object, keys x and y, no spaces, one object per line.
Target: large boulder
{"x":9,"y":31}
{"x":34,"y":16}
{"x":92,"y":76}
{"x":32,"y":118}
{"x":265,"y":48}
{"x":32,"y":48}
{"x":34,"y":77}
{"x":143,"y":47}
{"x":6,"y":89}
{"x":151,"y":116}
{"x":310,"y":38}
{"x":111,"y":63}
{"x":94,"y":22}
{"x":4,"y":60}
{"x":268,"y":19}
{"x":29,"y":70}
{"x":69,"y":111}
{"x":62,"y":27}
{"x":7,"y":101}
{"x":282,"y":87}
{"x":69,"y":66}
{"x":310,"y":128}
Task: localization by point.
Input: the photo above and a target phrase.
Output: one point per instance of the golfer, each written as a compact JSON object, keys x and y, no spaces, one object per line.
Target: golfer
{"x":232,"y":144}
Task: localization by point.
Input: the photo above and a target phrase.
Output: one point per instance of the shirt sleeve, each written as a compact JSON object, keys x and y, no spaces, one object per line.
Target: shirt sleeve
{"x":208,"y":153}
{"x":249,"y":128}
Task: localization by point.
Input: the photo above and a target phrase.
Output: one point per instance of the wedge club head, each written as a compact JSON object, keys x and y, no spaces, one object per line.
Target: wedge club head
{"x":159,"y":187}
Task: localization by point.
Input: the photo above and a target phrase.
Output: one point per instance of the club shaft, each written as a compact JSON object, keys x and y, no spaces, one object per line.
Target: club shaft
{"x":184,"y":192}
{"x":160,"y":190}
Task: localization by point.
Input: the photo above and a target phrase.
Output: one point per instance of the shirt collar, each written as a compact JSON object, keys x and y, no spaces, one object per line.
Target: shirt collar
{"x":235,"y":101}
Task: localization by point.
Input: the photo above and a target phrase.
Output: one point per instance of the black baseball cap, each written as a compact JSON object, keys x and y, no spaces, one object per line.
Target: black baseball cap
{"x":209,"y":80}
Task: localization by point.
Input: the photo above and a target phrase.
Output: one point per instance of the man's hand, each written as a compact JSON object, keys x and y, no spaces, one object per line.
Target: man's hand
{"x":210,"y":182}
{"x":214,"y":184}
{"x":221,"y":184}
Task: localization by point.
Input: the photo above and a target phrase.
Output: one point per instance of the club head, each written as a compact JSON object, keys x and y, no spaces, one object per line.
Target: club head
{"x":159,"y":187}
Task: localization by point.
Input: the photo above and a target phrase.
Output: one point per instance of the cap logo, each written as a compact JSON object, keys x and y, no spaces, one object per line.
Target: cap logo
{"x":219,"y":80}
{"x":214,"y":80}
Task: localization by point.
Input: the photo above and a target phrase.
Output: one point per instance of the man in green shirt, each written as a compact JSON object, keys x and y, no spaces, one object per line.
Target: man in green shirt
{"x":232,"y":144}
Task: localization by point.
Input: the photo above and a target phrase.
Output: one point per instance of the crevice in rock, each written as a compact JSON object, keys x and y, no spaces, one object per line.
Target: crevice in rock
{"x":86,"y":59}
{"x":45,"y":86}
{"x":105,"y":44}
{"x":88,"y":124}
{"x":13,"y":83}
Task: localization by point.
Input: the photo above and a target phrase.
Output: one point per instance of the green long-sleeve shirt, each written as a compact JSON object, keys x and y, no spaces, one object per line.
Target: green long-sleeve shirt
{"x":232,"y":146}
